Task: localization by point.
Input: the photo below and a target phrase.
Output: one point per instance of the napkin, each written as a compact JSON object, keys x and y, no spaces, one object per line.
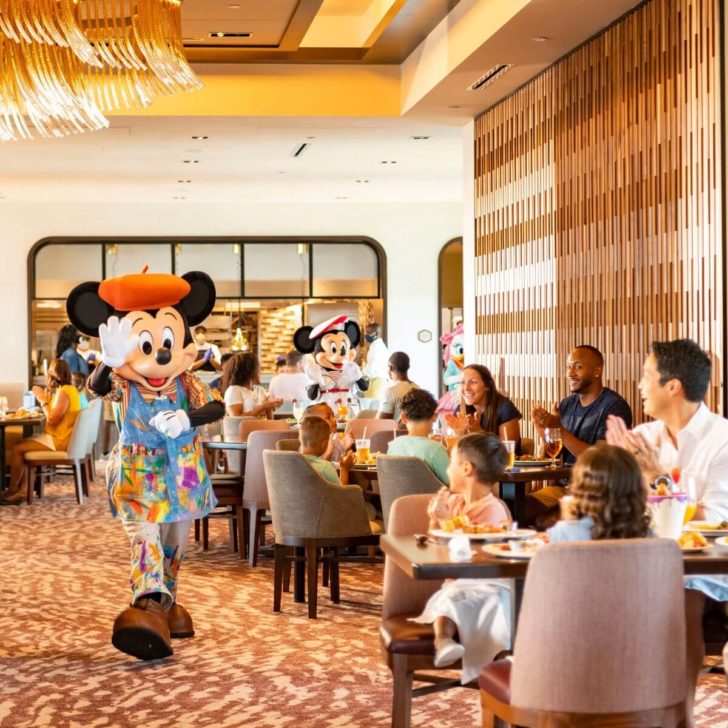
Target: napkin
{"x":460,"y":548}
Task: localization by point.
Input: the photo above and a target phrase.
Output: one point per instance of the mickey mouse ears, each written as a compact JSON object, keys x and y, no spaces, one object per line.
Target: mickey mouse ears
{"x":143,"y":291}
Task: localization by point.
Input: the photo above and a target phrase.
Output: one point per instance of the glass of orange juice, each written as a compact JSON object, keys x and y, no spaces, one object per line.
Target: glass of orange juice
{"x":362,"y":450}
{"x":692,"y":506}
{"x":510,"y":446}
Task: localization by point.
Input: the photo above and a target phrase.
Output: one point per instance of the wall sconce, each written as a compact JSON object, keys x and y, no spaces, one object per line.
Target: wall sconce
{"x":236,"y":249}
{"x":111,"y":249}
{"x":177,"y":248}
{"x":302,"y":249}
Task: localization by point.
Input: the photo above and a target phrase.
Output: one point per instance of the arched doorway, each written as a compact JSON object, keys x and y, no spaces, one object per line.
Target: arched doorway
{"x":450,"y":287}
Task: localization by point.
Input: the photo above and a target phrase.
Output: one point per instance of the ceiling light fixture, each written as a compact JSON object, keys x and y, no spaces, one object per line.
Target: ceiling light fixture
{"x":222,"y":34}
{"x":63,"y":65}
{"x":179,"y":197}
{"x":184,"y":181}
{"x":200,"y":138}
{"x":489,"y":76}
{"x":389,"y":161}
{"x":362,"y":181}
{"x":419,"y":138}
{"x":539,"y":39}
{"x":190,"y":161}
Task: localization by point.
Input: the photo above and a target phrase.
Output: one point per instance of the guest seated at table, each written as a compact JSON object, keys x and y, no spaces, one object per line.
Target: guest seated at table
{"x":389,"y":407}
{"x":476,"y":611}
{"x":418,"y":414}
{"x":291,"y":381}
{"x":315,"y":436}
{"x":61,"y":404}
{"x":341,"y":443}
{"x":217,"y":383}
{"x":244,"y":397}
{"x":686,"y":438}
{"x":582,"y":419}
{"x":485,"y":408}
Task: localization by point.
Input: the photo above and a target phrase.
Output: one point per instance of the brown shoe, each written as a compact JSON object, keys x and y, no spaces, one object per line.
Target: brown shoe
{"x":179,"y":621}
{"x":142,"y":631}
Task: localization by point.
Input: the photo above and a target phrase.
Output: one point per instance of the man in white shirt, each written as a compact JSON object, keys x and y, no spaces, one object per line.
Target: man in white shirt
{"x":399,"y":364}
{"x":291,"y":383}
{"x":688,"y":438}
{"x":377,"y":365}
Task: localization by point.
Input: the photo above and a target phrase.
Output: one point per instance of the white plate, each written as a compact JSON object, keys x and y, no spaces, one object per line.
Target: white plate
{"x":517,"y":534}
{"x":695,"y":526}
{"x":699,"y":549}
{"x":722,"y":541}
{"x":532,"y":463}
{"x":496,"y":549}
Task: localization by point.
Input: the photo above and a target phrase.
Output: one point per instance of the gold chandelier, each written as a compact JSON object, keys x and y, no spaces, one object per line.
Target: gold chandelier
{"x":63,"y":63}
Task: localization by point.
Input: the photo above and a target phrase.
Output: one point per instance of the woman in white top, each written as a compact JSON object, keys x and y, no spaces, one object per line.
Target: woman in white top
{"x":244,"y":397}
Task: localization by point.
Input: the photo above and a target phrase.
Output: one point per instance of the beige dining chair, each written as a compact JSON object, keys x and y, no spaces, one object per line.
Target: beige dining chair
{"x":231,"y":429}
{"x":313,"y":514}
{"x":288,"y":445}
{"x":256,"y":501}
{"x":408,"y":647}
{"x":600,"y":642}
{"x":402,"y":475}
{"x":248,"y":426}
{"x":357,"y":427}
{"x":379,"y":441}
{"x":96,"y":409}
{"x":75,"y":456}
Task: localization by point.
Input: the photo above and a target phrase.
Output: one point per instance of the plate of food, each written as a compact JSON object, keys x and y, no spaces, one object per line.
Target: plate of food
{"x":531,"y":461}
{"x":693,"y":542}
{"x":708,"y":528}
{"x":722,"y":541}
{"x":460,"y":525}
{"x":514,"y":549}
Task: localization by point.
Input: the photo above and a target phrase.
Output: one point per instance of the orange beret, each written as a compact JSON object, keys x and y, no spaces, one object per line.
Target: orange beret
{"x":143,"y":291}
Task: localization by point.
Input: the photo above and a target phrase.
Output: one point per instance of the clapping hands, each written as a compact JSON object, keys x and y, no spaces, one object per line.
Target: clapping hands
{"x":646,"y":454}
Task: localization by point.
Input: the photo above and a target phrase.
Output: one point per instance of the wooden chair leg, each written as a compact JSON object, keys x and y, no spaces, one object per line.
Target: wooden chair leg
{"x":279,"y":553}
{"x":287,"y":567}
{"x":253,"y":536}
{"x":85,"y":470}
{"x":240,"y":521}
{"x":29,"y":476}
{"x":401,"y":692}
{"x":334,"y":577}
{"x":233,"y":532}
{"x":312,"y":576}
{"x":205,"y":533}
{"x":78,"y":480}
{"x":197,"y":529}
{"x":325,"y":571}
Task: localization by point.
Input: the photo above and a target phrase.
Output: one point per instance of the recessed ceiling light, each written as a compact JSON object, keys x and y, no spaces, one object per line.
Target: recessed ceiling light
{"x":198,"y":138}
{"x":419,"y":138}
{"x":184,"y":181}
{"x":363,"y":181}
{"x":453,"y":107}
{"x":539,"y":39}
{"x":190,"y":161}
{"x":222,"y":34}
{"x":388,"y":161}
{"x":179,"y":197}
{"x":234,"y":7}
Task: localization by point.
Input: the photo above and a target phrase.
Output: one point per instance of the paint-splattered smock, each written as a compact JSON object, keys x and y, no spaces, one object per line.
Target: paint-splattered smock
{"x":152,"y":477}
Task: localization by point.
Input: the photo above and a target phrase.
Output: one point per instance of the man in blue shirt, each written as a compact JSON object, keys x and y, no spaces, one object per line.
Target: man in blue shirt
{"x":582,"y":419}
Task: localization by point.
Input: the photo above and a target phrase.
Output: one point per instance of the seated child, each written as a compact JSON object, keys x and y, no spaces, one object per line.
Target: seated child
{"x":417,"y":411}
{"x":476,"y":610}
{"x":315,"y":436}
{"x":608,"y":498}
{"x":339,"y":443}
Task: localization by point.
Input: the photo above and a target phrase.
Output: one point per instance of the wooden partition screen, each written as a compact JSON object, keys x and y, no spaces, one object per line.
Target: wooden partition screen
{"x":599,"y":207}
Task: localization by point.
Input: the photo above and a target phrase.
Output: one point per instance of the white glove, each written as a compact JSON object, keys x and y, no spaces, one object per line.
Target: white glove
{"x":171,"y":423}
{"x":117,"y":341}
{"x":313,"y":371}
{"x":351,"y":371}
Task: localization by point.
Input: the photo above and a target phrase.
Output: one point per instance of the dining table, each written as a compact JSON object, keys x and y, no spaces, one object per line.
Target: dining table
{"x":515,"y":483}
{"x":28,"y":423}
{"x":431,"y":560}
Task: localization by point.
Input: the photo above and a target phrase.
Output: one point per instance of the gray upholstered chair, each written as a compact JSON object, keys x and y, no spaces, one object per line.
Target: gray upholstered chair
{"x":408,"y":647}
{"x":616,"y":631}
{"x":288,"y":445}
{"x":312,"y":514}
{"x":379,"y":441}
{"x":256,"y":502}
{"x":357,"y":427}
{"x":249,"y":425}
{"x":92,"y":435}
{"x":75,"y":455}
{"x":401,"y":475}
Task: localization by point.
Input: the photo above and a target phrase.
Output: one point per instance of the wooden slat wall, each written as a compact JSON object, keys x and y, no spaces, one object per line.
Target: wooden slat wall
{"x":598,"y":207}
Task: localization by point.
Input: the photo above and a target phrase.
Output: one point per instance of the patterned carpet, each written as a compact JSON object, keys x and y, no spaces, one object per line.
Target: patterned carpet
{"x":64,"y":581}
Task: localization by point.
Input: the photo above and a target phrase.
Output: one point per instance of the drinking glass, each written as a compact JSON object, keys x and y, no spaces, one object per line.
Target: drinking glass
{"x":298,"y":410}
{"x":510,"y":446}
{"x":362,"y":450}
{"x":692,"y":505}
{"x":554,"y":443}
{"x":3,"y":406}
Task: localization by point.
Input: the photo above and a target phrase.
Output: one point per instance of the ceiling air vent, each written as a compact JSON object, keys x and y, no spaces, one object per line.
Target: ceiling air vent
{"x":299,"y":149}
{"x":221,"y":34}
{"x":489,"y":76}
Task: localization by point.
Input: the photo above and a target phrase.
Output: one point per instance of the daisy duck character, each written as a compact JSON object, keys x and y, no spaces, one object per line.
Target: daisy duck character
{"x":331,"y":372}
{"x":454,"y":360}
{"x":156,"y":475}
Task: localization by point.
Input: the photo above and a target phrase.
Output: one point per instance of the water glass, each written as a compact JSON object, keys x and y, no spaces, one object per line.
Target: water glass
{"x":3,"y":406}
{"x":510,"y":446}
{"x":362,"y":450}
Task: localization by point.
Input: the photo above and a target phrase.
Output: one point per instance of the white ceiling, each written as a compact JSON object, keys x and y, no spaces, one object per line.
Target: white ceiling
{"x":244,"y":160}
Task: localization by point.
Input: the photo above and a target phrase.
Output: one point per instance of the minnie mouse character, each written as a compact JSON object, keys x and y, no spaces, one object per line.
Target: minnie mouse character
{"x":156,"y":475}
{"x":330,"y":370}
{"x":454,"y":361}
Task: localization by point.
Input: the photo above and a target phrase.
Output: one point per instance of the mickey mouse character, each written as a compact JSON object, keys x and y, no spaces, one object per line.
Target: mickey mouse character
{"x":330,"y":370}
{"x":156,"y":475}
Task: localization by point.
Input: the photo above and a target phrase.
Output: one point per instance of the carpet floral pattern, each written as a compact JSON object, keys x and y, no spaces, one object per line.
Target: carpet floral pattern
{"x":65,"y":578}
